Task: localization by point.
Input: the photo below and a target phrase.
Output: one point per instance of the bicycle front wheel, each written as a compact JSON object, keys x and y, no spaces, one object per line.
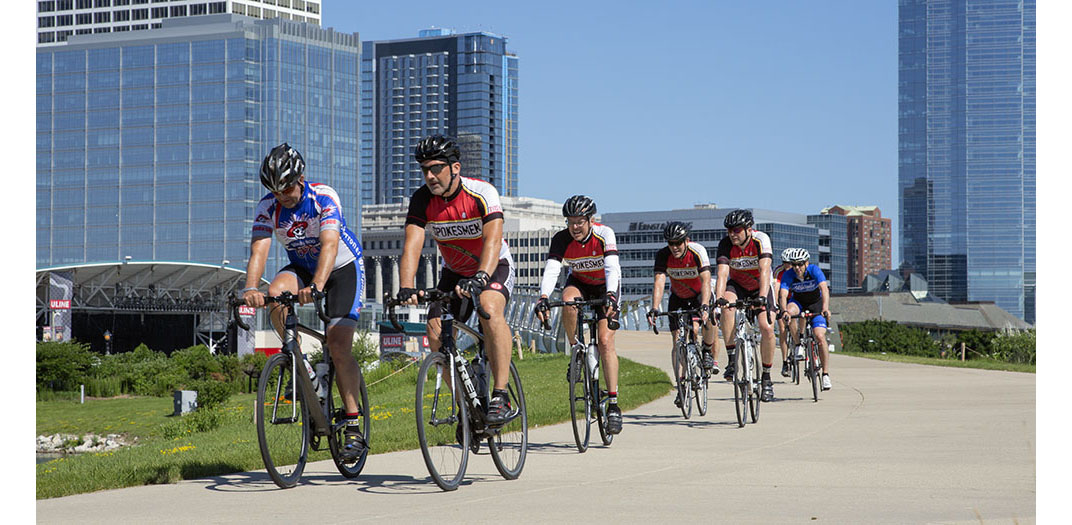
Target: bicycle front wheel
{"x":442,"y":421}
{"x":699,"y":387}
{"x":816,"y":370}
{"x":280,"y":417}
{"x":510,"y":443}
{"x":338,"y":426}
{"x":757,"y":384}
{"x":741,"y":388}
{"x":580,"y":400}
{"x":684,"y":382}
{"x":794,"y":368}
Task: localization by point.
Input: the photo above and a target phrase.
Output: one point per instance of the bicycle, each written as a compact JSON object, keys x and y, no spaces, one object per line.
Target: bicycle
{"x":692,"y":383}
{"x":746,"y":375}
{"x":583,"y":373}
{"x":287,"y":401}
{"x":813,"y":363}
{"x":451,"y":418}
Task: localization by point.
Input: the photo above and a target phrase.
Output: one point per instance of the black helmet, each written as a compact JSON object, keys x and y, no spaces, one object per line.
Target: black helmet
{"x":282,"y":167}
{"x":675,"y":231}
{"x":738,"y":218}
{"x":437,"y":147}
{"x":579,"y":205}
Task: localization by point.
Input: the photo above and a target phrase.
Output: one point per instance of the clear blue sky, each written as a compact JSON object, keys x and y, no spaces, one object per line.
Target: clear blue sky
{"x":784,"y":105}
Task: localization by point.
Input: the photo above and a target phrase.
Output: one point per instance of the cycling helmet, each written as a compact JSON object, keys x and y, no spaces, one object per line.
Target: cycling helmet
{"x":675,"y":231}
{"x":281,"y":168}
{"x":795,"y":255}
{"x":437,"y":147}
{"x":738,"y":218}
{"x":578,"y":206}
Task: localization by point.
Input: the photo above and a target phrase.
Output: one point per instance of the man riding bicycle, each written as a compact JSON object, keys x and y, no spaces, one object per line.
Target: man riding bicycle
{"x":307,"y":219}
{"x":591,"y":252}
{"x":806,"y":288}
{"x":689,"y":269}
{"x":466,"y":219}
{"x":744,"y":272}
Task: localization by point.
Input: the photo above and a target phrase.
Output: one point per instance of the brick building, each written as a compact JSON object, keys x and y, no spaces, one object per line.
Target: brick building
{"x":869,"y":240}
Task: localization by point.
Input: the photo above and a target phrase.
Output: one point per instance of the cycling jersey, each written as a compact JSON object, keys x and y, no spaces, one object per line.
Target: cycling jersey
{"x":298,"y":228}
{"x":592,"y":262}
{"x":457,"y":222}
{"x":685,"y":273}
{"x":806,"y":290}
{"x":744,"y":261}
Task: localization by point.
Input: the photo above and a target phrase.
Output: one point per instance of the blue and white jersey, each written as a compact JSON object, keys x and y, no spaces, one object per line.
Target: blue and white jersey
{"x":299,"y":228}
{"x":805,"y":291}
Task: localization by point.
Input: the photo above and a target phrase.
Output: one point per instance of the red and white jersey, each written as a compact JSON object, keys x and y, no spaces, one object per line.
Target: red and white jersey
{"x":744,"y":262}
{"x":457,"y":222}
{"x":586,"y":260}
{"x":685,"y":274}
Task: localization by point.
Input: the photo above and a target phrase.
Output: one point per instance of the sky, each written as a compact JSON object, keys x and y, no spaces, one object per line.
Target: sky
{"x":781,"y":105}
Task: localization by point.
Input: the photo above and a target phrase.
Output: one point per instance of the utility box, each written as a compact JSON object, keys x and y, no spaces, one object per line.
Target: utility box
{"x":185,"y":401}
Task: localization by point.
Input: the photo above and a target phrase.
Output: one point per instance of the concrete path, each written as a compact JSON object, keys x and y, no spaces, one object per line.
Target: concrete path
{"x":890,"y":443}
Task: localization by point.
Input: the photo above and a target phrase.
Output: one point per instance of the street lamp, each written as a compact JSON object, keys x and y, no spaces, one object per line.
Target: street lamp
{"x":107,"y":343}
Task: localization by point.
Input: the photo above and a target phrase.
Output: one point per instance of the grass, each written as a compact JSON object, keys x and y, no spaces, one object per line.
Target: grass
{"x":984,"y":364}
{"x":232,"y":445}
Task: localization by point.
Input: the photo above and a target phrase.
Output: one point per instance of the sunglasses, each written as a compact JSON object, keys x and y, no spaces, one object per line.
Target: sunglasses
{"x":436,"y":169}
{"x":675,"y":244}
{"x":798,"y":265}
{"x":738,"y":229}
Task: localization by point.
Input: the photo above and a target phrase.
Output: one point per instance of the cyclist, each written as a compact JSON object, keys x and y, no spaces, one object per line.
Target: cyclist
{"x":689,"y":269}
{"x":465,"y":217}
{"x":809,"y":290}
{"x":590,"y":251}
{"x":782,"y":327}
{"x":307,"y":219}
{"x":744,"y":271}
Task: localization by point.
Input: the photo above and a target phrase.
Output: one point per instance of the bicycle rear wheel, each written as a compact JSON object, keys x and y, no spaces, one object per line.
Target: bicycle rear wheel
{"x":741,"y":388}
{"x":699,"y":379}
{"x":280,"y":415}
{"x":442,"y":421}
{"x":338,"y":426}
{"x":816,"y":370}
{"x":757,"y":384}
{"x":580,"y":400}
{"x":510,"y":443}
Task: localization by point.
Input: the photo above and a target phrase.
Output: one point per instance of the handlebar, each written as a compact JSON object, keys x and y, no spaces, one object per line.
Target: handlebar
{"x":807,"y":315}
{"x":286,"y":299}
{"x":574,"y":303}
{"x":428,"y":296}
{"x":690,"y":311}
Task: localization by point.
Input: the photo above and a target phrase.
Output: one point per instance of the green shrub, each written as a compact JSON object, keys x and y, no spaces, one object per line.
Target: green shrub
{"x":201,"y":420}
{"x":62,"y":366}
{"x":196,"y":361}
{"x":1014,"y":347}
{"x":104,"y":386}
{"x":231,"y":368}
{"x":365,"y":349}
{"x":889,"y":337}
{"x":210,"y":393}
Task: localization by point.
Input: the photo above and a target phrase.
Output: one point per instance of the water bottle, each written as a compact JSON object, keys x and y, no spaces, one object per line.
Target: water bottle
{"x":480,"y":375}
{"x":321,"y":381}
{"x":593,"y":360}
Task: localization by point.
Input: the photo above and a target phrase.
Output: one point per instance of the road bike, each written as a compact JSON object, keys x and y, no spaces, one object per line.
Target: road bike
{"x":692,"y":376}
{"x":290,"y":416}
{"x":588,"y":402}
{"x":813,"y":363}
{"x":747,"y":385}
{"x":452,"y":398}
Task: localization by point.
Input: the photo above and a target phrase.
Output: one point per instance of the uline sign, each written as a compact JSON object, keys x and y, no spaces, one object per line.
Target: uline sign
{"x":651,"y":226}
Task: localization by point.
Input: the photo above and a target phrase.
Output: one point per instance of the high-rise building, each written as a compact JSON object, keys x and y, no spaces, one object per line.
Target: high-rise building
{"x":461,"y":85}
{"x":967,"y":149}
{"x":57,"y":20}
{"x":149,"y":143}
{"x":869,"y":239}
{"x":833,"y":257}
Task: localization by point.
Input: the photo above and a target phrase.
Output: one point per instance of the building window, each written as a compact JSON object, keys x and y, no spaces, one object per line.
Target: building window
{"x":198,"y":9}
{"x":141,"y":14}
{"x":64,"y":5}
{"x":102,"y":30}
{"x":139,"y":27}
{"x":157,"y":25}
{"x":178,"y":10}
{"x":312,"y":8}
{"x":102,"y":17}
{"x":121,"y":16}
{"x":46,"y":21}
{"x":64,"y":20}
{"x":121,"y":2}
{"x":138,"y":2}
{"x":83,"y":31}
{"x":159,"y":12}
{"x":46,"y":7}
{"x":117,"y":29}
{"x":102,"y":3}
{"x":217,"y":7}
{"x":61,"y":36}
{"x":238,"y":9}
{"x":83,"y":18}
{"x":46,"y":37}
{"x":84,"y":4}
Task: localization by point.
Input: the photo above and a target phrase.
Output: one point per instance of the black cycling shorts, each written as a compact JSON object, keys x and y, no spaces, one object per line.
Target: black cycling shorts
{"x":590,"y":292}
{"x":744,"y":293}
{"x":344,"y":289}
{"x":502,"y":281}
{"x":677,"y":303}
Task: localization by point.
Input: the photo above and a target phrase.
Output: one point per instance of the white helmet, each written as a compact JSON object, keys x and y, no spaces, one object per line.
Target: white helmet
{"x":795,"y":255}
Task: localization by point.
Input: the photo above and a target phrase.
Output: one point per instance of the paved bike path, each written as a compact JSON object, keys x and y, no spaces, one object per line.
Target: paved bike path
{"x":891,"y":443}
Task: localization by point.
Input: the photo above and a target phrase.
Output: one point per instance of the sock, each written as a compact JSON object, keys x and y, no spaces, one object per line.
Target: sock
{"x":766,"y":373}
{"x":731,"y":349}
{"x":353,"y":420}
{"x":612,"y":398}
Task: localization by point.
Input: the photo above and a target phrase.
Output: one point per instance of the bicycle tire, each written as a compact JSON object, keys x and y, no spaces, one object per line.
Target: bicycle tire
{"x":699,"y":387}
{"x":684,"y":383}
{"x":337,"y":421}
{"x":509,"y":443}
{"x":816,"y":370}
{"x":740,"y":385}
{"x":282,"y":432}
{"x":794,"y":368}
{"x":757,"y":385}
{"x":600,"y":402}
{"x":442,"y":421}
{"x":580,"y":401}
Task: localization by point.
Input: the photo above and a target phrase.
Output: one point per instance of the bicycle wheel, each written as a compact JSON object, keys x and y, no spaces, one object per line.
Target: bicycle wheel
{"x":580,"y":402}
{"x":684,"y":382}
{"x":757,"y":384}
{"x":699,"y":380}
{"x":338,"y":426}
{"x":794,"y":368}
{"x":442,"y":421}
{"x":510,"y":443}
{"x":741,"y":388}
{"x":816,"y":370}
{"x":280,"y":416}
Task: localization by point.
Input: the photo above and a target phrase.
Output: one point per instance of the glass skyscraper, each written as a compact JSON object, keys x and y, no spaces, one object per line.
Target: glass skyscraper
{"x":463,"y":85}
{"x":149,"y":143}
{"x":967,"y":148}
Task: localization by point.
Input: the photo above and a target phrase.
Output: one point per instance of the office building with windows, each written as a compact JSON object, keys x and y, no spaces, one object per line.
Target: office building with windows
{"x":640,"y":236}
{"x":57,"y":20}
{"x":461,"y":85}
{"x":967,"y":149}
{"x":149,"y":143}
